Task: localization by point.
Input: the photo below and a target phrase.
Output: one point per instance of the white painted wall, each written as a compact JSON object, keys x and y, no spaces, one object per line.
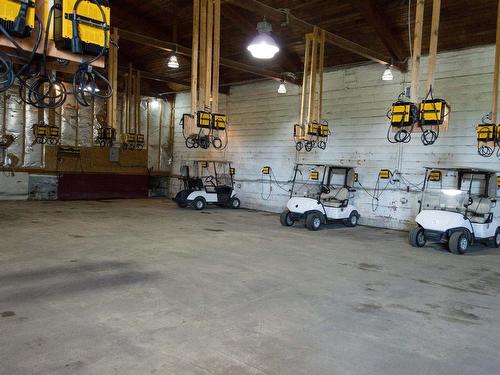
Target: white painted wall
{"x":356,"y":101}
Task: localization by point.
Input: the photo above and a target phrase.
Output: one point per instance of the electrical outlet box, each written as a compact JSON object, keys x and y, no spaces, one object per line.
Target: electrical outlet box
{"x":114,"y":154}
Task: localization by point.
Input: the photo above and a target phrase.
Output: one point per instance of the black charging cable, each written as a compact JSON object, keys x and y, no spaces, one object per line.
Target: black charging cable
{"x":88,"y":83}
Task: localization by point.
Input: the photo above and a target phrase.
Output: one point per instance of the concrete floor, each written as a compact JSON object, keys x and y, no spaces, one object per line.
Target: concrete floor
{"x":141,"y":287}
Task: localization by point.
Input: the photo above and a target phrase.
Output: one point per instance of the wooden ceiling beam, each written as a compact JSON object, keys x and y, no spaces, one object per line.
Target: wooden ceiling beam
{"x":264,"y":10}
{"x":181,"y":50}
{"x":378,"y":22}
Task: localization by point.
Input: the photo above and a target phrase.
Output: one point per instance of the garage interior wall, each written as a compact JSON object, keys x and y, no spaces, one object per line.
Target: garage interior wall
{"x":76,"y":125}
{"x":356,"y":102}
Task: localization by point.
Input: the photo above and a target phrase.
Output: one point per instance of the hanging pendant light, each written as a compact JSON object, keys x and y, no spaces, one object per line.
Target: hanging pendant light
{"x":282,"y":88}
{"x":173,"y":63}
{"x":263,"y":46}
{"x":388,"y":76}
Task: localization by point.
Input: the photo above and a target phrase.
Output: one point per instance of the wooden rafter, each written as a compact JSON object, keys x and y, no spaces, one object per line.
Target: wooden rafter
{"x":264,"y":10}
{"x":181,"y":50}
{"x":377,"y":20}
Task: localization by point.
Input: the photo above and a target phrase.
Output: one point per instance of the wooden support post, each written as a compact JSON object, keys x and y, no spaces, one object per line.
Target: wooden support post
{"x":436,"y":13}
{"x":41,"y":117}
{"x":417,"y":50}
{"x":23,"y":151}
{"x":307,"y":58}
{"x":312,"y":81}
{"x":160,"y":134}
{"x":112,"y":102}
{"x":171,"y":135}
{"x":494,"y":107}
{"x":321,"y":73}
{"x":130,"y":85}
{"x":203,"y":54}
{"x":138,"y":102}
{"x":77,"y":128}
{"x":148,"y":120}
{"x":216,"y":57}
{"x":92,"y":123}
{"x":208,"y":60}
{"x":194,"y":60}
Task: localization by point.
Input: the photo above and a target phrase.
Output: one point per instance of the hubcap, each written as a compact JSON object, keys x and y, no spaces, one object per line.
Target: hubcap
{"x":354,"y":220}
{"x":199,"y":204}
{"x":498,"y":238}
{"x":420,"y":238}
{"x":235,"y":203}
{"x":317,"y":222}
{"x":463,"y":243}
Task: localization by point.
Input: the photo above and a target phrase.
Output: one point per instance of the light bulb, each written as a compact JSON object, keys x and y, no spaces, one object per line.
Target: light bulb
{"x":263,"y":46}
{"x":282,"y":88}
{"x":173,"y":63}
{"x":387,"y":76}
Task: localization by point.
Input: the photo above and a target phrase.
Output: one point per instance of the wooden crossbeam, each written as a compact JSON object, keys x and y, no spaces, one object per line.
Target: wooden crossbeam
{"x":377,"y":20}
{"x":181,"y":50}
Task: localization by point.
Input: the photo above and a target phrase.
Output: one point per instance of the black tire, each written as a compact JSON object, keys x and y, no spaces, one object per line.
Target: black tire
{"x":416,"y":237}
{"x":234,"y":203}
{"x":353,"y":220}
{"x":495,"y":242}
{"x":314,"y":221}
{"x":182,"y":204}
{"x":286,"y":219}
{"x":199,"y":204}
{"x":459,"y":243}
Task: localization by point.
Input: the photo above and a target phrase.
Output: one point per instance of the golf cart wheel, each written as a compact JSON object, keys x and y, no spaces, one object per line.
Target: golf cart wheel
{"x":199,"y":204}
{"x":417,"y":237}
{"x":495,"y":242}
{"x":459,"y":243}
{"x":352,"y":221}
{"x":234,"y":203}
{"x":313,"y":221}
{"x":182,"y":204}
{"x":286,"y":218}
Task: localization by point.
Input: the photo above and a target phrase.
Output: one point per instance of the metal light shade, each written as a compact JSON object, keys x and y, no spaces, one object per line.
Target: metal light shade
{"x":387,"y":76}
{"x":263,"y":46}
{"x":282,"y":88}
{"x":173,"y":63}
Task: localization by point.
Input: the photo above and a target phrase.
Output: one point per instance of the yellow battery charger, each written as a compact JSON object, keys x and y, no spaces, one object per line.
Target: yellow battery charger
{"x":82,"y":31}
{"x":18,"y":17}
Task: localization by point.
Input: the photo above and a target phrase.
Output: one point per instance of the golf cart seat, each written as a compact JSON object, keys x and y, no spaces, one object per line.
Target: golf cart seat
{"x":336,"y":197}
{"x":195,"y":184}
{"x":223,"y":193}
{"x":479,"y":210}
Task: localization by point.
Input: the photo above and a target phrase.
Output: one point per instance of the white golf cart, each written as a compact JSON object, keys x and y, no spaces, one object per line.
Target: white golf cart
{"x":320,"y":202}
{"x":213,"y":184}
{"x":460,"y":215}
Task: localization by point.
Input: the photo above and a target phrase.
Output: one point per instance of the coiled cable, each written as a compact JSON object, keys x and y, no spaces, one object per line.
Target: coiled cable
{"x":40,"y":89}
{"x":88,"y":83}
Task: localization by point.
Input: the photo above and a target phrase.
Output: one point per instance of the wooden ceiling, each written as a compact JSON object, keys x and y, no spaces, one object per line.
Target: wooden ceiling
{"x":381,"y":25}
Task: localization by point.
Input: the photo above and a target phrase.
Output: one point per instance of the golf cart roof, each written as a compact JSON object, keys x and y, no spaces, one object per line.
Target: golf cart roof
{"x":326,"y":165}
{"x":463,"y":169}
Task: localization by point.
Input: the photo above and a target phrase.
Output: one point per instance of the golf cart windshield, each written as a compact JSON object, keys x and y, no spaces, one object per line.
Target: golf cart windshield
{"x":445,"y":200}
{"x":311,"y":181}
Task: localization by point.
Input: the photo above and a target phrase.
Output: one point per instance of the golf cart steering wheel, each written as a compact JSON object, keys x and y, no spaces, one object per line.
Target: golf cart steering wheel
{"x":325,"y":189}
{"x":210,"y":180}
